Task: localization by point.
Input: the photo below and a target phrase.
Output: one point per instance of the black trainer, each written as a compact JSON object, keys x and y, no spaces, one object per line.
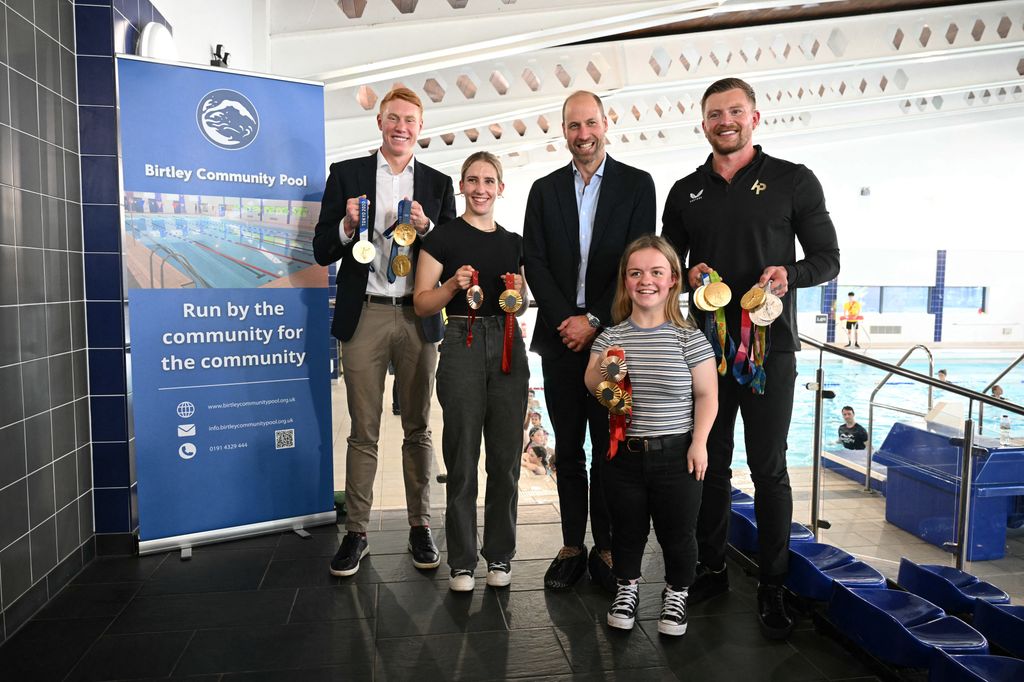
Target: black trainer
{"x":708,"y":584}
{"x":353,"y":548}
{"x":421,"y":544}
{"x":673,"y":612}
{"x":566,"y":568}
{"x":771,"y":611}
{"x":622,"y":614}
{"x":600,"y":569}
{"x":499,"y":573}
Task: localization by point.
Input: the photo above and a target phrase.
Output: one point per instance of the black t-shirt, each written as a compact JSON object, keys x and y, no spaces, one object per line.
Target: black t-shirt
{"x":458,"y":243}
{"x":853,"y":437}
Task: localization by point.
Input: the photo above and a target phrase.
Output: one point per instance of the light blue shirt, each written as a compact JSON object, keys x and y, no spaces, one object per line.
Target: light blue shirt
{"x":586,"y":205}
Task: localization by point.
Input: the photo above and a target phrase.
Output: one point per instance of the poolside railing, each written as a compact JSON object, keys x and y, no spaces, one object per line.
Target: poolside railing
{"x":960,"y":546}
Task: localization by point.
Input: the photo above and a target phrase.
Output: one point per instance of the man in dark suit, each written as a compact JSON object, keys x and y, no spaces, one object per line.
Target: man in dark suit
{"x":375,"y":321}
{"x":578,"y":221}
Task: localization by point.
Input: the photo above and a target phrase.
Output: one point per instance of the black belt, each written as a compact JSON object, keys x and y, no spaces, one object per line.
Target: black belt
{"x":389,"y":300}
{"x":656,"y":443}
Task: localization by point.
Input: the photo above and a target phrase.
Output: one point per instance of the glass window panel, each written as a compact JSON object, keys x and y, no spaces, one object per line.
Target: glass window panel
{"x":971,"y":298}
{"x":905,"y":299}
{"x":868,"y":297}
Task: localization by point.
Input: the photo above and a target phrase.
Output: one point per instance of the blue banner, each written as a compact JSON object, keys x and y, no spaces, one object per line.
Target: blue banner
{"x":222,"y":176}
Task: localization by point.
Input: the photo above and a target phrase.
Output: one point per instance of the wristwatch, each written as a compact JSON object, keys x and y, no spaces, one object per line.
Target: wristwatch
{"x":594,"y":322}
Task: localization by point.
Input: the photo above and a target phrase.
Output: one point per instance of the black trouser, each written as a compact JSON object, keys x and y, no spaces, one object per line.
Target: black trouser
{"x":766,"y":425}
{"x":572,"y":408}
{"x":653,"y":485}
{"x":477,"y":398}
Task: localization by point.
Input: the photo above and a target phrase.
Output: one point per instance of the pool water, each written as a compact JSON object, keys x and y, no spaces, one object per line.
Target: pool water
{"x":853,"y":384}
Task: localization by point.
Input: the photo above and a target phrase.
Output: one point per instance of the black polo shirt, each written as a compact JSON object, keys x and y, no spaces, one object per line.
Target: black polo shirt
{"x":742,"y":227}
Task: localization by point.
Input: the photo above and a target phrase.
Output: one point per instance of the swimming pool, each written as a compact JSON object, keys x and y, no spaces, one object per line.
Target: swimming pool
{"x":853,"y":384}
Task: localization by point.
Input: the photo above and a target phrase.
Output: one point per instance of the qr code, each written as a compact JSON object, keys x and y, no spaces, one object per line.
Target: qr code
{"x":285,"y":438}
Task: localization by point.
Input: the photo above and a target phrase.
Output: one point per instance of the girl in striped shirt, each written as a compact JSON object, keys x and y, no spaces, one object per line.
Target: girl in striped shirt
{"x":656,"y":473}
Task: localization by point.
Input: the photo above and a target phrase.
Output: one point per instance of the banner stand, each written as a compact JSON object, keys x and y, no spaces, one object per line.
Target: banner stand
{"x":210,"y":537}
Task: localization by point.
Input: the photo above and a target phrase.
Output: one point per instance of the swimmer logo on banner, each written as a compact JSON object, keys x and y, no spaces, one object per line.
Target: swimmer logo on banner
{"x":222,"y":178}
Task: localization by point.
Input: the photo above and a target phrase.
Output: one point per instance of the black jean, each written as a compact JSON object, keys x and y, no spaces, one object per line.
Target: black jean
{"x":766,"y":426}
{"x":642,"y":487}
{"x":572,"y":409}
{"x":479,"y":400}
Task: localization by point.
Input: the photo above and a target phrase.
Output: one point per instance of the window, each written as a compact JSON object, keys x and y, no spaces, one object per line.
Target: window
{"x":809,"y":300}
{"x":905,"y":299}
{"x":969,"y":298}
{"x":869,"y":297}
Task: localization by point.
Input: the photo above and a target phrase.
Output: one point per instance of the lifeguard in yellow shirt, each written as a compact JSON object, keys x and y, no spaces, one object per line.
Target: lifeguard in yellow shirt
{"x":851,"y":313}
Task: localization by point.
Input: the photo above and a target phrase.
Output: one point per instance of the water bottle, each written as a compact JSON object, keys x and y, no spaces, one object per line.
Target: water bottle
{"x":1004,"y":430}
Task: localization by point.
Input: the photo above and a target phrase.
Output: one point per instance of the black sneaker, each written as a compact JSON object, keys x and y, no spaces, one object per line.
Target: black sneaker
{"x":673,"y":612}
{"x":599,"y":565}
{"x":771,"y":611}
{"x":461,"y":580}
{"x":622,"y":614}
{"x":708,"y":584}
{"x":421,"y":544}
{"x":353,"y":548}
{"x":499,"y":574}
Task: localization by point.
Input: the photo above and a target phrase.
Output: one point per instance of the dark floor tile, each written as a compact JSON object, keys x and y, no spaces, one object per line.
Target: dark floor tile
{"x":827,"y":655}
{"x":89,"y":601}
{"x":120,"y":569}
{"x":210,"y":572}
{"x":408,"y":609}
{"x":471,"y":656}
{"x":48,"y":649}
{"x":392,"y":568}
{"x":632,"y":675}
{"x":116,"y":657}
{"x":309,"y":572}
{"x":167,"y":613}
{"x":529,"y":575}
{"x":268,"y":541}
{"x":733,"y":639}
{"x":542,"y":608}
{"x":336,"y":674}
{"x":339,"y":602}
{"x":598,"y":647}
{"x":282,"y":647}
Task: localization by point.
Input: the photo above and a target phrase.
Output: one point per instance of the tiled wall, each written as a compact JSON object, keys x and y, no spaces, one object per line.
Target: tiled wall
{"x":104,"y":29}
{"x":46,"y":510}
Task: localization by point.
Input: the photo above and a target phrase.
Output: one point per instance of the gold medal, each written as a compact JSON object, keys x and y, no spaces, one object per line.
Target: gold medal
{"x":698,"y":300}
{"x":364,"y":251}
{"x":401,"y":265}
{"x":717,"y":295}
{"x":613,"y":368}
{"x":624,"y":406}
{"x":608,"y":394}
{"x":475,"y":297}
{"x":510,"y":301}
{"x":752,"y":298}
{"x":404,"y":235}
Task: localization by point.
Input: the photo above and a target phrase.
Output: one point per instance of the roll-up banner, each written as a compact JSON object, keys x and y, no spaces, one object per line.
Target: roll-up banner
{"x":222,"y":174}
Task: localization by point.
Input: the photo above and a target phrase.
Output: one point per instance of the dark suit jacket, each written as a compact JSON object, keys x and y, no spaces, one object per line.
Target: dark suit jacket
{"x":551,"y":244}
{"x":354,"y":178}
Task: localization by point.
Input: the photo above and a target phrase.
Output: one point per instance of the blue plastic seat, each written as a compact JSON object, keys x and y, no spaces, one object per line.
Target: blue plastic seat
{"x":948,"y":587}
{"x":813,"y":567}
{"x":1002,"y":624}
{"x":743,"y":530}
{"x":899,"y":627}
{"x":946,"y":668}
{"x":741,"y":499}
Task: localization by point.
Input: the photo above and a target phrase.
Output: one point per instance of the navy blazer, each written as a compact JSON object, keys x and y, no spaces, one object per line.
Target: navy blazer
{"x":356,"y":177}
{"x":551,"y":244}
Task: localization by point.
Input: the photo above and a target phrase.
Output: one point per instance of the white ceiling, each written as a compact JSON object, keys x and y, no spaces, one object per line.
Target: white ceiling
{"x":493,"y":73}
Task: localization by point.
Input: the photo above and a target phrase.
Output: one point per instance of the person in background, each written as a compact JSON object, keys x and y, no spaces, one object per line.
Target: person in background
{"x":375,"y":322}
{"x":578,"y":222}
{"x":536,"y":457}
{"x":482,"y":375}
{"x":997,"y":392}
{"x":655,"y":469}
{"x":942,"y":375}
{"x":852,"y":435}
{"x":851,"y":313}
{"x":742,"y":213}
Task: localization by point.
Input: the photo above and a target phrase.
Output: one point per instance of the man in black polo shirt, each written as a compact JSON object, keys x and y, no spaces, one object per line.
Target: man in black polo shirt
{"x":852,"y":435}
{"x":740,"y":213}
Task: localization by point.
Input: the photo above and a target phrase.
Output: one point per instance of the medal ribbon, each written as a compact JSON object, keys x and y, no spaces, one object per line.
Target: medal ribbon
{"x":472,"y":311}
{"x":510,"y":323}
{"x":742,"y":367}
{"x":726,"y":349}
{"x":758,"y":355}
{"x":404,"y":218}
{"x":618,"y":423}
{"x":364,"y":218}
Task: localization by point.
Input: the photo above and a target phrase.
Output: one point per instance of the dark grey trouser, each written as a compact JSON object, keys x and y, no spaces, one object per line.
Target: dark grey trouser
{"x":477,"y":398}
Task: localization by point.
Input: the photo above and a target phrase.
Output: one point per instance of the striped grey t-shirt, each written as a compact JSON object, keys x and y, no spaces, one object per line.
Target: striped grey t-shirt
{"x":659,"y":362}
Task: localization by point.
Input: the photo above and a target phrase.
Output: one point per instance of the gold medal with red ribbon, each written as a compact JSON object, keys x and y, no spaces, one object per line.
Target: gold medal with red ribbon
{"x":616,"y":393}
{"x":510,"y":302}
{"x":474,"y":299}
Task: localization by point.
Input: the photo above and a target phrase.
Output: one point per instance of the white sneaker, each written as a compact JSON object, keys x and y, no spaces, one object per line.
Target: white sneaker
{"x":461,"y":581}
{"x":499,"y":574}
{"x":622,"y":614}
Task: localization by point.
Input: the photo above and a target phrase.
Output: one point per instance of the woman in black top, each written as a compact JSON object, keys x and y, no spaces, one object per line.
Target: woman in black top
{"x":482,"y":375}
